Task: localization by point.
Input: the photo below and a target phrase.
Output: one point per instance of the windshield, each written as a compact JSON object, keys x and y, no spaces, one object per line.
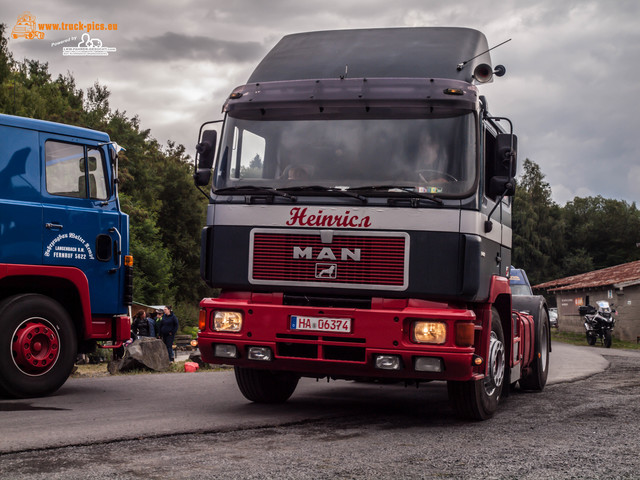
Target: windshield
{"x":435,"y":155}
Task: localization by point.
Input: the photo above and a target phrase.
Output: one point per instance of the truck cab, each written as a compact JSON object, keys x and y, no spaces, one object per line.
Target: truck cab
{"x":359,"y":223}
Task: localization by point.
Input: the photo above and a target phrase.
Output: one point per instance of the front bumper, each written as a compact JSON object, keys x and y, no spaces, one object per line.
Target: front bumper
{"x":384,"y":330}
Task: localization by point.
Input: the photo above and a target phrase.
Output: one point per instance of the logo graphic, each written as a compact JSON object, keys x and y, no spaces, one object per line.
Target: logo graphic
{"x":88,"y":47}
{"x":327,"y":271}
{"x":26,"y":27}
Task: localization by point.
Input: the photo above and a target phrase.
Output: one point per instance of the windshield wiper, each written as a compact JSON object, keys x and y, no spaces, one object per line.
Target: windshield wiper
{"x":399,"y":189}
{"x":254,"y":190}
{"x":320,"y":188}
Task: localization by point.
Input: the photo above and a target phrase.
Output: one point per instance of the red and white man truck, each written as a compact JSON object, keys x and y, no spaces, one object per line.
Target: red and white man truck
{"x":359,"y":224}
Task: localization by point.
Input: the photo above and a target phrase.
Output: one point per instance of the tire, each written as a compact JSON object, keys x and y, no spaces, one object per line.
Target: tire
{"x":591,"y":339}
{"x":607,"y":338}
{"x":537,"y":378}
{"x":263,"y":386}
{"x":37,"y":345}
{"x":478,"y":399}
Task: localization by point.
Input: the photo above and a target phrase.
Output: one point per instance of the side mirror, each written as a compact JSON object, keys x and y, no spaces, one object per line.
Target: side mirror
{"x":501,"y":169}
{"x":505,"y":156}
{"x":205,"y":153}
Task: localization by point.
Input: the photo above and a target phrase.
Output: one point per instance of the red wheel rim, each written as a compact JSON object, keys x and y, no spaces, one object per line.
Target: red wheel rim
{"x":35,"y":347}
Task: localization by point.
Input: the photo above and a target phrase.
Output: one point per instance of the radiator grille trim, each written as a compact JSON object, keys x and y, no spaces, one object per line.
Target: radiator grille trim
{"x":383,"y":262}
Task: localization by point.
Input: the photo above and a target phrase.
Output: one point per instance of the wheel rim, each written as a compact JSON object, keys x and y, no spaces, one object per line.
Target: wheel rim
{"x":496,"y":365}
{"x":35,"y":347}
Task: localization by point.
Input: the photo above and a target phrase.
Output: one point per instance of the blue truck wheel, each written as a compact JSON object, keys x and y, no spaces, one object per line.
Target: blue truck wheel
{"x":37,"y":345}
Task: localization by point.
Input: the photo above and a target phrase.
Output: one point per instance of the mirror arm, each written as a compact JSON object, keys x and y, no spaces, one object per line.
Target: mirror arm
{"x":488,"y":224}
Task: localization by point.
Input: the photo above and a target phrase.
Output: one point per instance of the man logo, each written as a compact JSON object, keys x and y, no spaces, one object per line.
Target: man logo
{"x":326,"y":271}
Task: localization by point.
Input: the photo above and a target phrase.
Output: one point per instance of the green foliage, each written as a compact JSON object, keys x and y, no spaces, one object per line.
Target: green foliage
{"x":538,"y":238}
{"x":187,"y":314}
{"x":605,"y":228}
{"x":586,"y":234}
{"x":165,"y":211}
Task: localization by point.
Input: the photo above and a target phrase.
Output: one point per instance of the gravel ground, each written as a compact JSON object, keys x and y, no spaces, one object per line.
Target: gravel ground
{"x":585,"y":429}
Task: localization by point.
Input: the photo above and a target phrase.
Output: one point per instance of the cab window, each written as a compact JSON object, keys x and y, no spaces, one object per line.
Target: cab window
{"x":75,"y":171}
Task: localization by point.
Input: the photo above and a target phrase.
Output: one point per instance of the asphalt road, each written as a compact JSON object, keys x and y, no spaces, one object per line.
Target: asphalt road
{"x":199,"y":426}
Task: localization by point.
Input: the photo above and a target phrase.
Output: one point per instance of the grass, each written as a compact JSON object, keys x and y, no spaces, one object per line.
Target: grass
{"x":100,"y":370}
{"x":581,"y":340}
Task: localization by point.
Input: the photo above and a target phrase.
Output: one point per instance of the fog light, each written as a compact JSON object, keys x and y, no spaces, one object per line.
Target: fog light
{"x":428,"y":364}
{"x":429,"y":332}
{"x":224,"y":321}
{"x":388,"y":362}
{"x":263,"y":354}
{"x":226,"y":351}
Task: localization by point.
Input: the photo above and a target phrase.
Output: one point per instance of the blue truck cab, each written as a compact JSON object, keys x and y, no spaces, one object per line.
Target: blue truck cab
{"x":519,"y":282}
{"x":65,"y":272}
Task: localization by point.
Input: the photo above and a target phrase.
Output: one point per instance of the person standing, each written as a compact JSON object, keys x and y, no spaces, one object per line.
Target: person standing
{"x":140,"y":326}
{"x":151,"y":318}
{"x":168,"y":329}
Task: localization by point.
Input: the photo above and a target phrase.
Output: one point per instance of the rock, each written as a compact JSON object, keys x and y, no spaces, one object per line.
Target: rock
{"x":144,"y":353}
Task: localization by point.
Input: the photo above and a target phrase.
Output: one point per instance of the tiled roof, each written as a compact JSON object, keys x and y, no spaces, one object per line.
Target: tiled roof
{"x":619,"y":275}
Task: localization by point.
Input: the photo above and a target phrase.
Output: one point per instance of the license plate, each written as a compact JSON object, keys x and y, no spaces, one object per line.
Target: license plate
{"x":321,"y":324}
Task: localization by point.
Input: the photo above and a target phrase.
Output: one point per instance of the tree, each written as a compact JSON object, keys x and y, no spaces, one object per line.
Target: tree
{"x":156,"y":190}
{"x":606,"y":229}
{"x":538,"y":227}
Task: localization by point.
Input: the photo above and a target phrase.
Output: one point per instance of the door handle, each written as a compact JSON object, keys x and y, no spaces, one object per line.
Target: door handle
{"x":53,"y":226}
{"x":118,"y":251}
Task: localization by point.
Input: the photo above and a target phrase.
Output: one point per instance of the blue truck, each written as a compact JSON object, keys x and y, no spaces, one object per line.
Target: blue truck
{"x":66,"y":276}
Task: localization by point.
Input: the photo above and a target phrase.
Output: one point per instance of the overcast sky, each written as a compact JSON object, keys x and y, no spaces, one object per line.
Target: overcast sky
{"x":571,"y":88}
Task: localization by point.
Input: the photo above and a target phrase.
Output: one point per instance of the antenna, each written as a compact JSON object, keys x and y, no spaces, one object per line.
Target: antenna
{"x":462,"y":65}
{"x":346,"y":71}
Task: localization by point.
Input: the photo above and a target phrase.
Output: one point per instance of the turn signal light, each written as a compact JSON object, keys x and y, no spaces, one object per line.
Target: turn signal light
{"x":202,"y":320}
{"x":128,"y":260}
{"x":465,"y":334}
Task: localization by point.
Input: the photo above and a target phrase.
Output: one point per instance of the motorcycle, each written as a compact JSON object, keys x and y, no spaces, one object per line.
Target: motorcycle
{"x":599,"y":322}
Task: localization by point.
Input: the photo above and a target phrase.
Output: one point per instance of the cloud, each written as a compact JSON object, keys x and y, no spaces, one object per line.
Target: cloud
{"x":171,"y":46}
{"x":570,"y":89}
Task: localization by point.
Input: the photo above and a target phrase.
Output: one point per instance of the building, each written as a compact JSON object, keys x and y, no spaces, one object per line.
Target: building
{"x":619,"y":285}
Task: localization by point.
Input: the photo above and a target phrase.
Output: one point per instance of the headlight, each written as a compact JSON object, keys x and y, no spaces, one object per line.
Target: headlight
{"x":425,"y":331}
{"x":227,"y":321}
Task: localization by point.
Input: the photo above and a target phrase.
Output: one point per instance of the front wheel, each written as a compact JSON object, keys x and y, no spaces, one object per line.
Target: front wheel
{"x":37,"y":345}
{"x":263,"y":386}
{"x":591,"y":339}
{"x":607,"y":338}
{"x":478,"y":399}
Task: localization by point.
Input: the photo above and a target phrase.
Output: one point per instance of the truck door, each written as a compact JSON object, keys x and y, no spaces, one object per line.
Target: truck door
{"x":81,"y":220}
